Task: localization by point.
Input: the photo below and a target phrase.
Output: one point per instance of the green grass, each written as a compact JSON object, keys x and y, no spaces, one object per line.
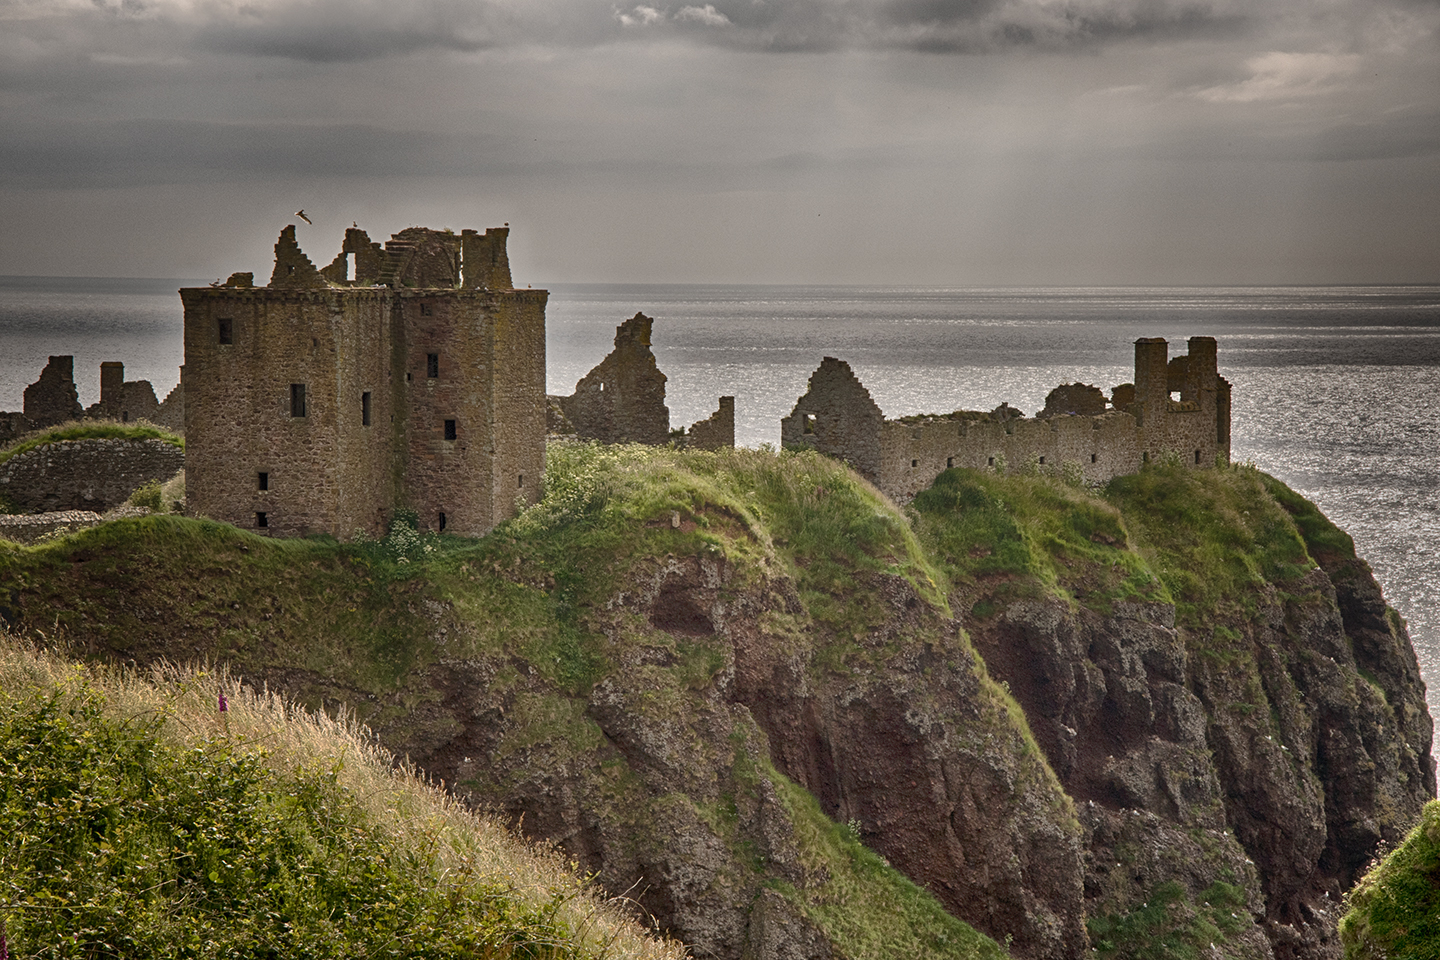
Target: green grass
{"x":1216,"y":538}
{"x":1170,"y":925}
{"x":90,"y":430}
{"x":1394,"y":911}
{"x":867,"y":909}
{"x":139,"y":820}
{"x":1003,"y":535}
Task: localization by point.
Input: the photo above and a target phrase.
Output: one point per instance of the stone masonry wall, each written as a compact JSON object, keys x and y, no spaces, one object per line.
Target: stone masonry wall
{"x":622,"y":400}
{"x":85,"y":474}
{"x":837,"y":417}
{"x":31,"y":527}
{"x":322,"y":472}
{"x":519,"y":403}
{"x":902,"y":457}
{"x":716,"y":432}
{"x":450,"y":373}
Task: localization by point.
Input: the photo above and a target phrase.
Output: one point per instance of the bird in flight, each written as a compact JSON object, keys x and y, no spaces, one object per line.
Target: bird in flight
{"x":301,"y":215}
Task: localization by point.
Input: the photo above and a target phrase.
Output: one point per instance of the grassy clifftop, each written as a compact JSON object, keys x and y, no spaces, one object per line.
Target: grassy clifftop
{"x":1395,"y":911}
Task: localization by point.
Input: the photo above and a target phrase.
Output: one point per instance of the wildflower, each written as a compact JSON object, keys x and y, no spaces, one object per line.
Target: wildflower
{"x":224,"y":705}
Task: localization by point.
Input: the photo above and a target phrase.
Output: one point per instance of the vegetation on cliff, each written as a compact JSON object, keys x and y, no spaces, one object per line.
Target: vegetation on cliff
{"x":736,"y":685}
{"x":1395,"y":909}
{"x":182,"y":814}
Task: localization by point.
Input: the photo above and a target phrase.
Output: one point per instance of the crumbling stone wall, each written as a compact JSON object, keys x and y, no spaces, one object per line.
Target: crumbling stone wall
{"x":838,"y":417}
{"x":31,"y":527}
{"x":321,"y":404}
{"x":128,"y":401}
{"x":715,"y":432}
{"x":902,"y":457}
{"x":622,"y":400}
{"x":53,"y":399}
{"x":85,"y":474}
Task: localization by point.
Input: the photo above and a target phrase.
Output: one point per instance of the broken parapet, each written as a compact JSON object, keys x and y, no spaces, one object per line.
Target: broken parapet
{"x":622,"y":400}
{"x":837,"y":416}
{"x":53,"y":399}
{"x":716,"y":432}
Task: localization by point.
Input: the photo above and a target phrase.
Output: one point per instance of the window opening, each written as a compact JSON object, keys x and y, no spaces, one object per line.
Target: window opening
{"x":914,"y":463}
{"x":365,"y":409}
{"x":1094,"y":457}
{"x":808,"y":424}
{"x":262,"y":519}
{"x":226,"y":330}
{"x":1197,"y":456}
{"x":1042,"y":461}
{"x":350,"y":266}
{"x":992,"y":461}
{"x":520,"y":480}
{"x":949,"y":462}
{"x":125,"y":418}
{"x":1145,"y":457}
{"x":263,"y":481}
{"x":441,"y":524}
{"x":432,"y":365}
{"x":297,"y":399}
{"x":449,"y":429}
{"x":424,"y":309}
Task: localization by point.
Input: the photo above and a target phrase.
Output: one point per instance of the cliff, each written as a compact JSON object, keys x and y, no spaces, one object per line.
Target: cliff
{"x":711,"y":677}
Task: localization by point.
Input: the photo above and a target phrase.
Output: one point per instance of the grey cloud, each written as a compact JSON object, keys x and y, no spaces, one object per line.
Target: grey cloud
{"x":138,"y":152}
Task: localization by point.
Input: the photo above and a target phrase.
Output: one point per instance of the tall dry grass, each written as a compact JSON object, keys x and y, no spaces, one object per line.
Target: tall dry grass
{"x":397,"y":800}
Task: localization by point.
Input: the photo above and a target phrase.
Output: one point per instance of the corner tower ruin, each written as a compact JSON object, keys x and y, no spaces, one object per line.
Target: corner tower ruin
{"x":404,"y":377}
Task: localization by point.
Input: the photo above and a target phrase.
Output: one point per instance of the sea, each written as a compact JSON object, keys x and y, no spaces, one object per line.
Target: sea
{"x":1336,"y":389}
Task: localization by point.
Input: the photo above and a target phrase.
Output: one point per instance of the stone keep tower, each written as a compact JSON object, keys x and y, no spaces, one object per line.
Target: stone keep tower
{"x":409,"y":376}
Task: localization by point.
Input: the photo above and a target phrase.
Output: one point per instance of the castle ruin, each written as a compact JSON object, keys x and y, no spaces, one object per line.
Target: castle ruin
{"x":622,"y":400}
{"x":405,"y":376}
{"x":1176,"y":407}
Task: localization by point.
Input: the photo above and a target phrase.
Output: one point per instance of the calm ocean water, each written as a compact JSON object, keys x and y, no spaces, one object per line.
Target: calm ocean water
{"x":1333,"y":386}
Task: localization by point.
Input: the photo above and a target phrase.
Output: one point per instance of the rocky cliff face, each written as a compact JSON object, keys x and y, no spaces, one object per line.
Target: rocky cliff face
{"x":707,"y":676}
{"x":1269,"y":738}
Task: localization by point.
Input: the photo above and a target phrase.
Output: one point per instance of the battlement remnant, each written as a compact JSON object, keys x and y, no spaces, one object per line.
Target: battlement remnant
{"x":1077,"y":430}
{"x":404,"y":377}
{"x":622,"y":399}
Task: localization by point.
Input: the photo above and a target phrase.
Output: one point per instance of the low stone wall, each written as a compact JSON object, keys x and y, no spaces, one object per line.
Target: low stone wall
{"x":31,"y":527}
{"x":85,"y":474}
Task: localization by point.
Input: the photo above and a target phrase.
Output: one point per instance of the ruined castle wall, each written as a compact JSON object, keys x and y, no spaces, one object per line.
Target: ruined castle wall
{"x":838,"y":417}
{"x":448,"y":363}
{"x":85,"y":474}
{"x":321,"y":470}
{"x":519,"y":399}
{"x":53,"y":398}
{"x":1096,"y":448}
{"x":715,"y":432}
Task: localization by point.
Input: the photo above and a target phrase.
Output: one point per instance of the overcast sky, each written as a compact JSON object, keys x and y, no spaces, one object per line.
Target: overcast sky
{"x":941,"y":142}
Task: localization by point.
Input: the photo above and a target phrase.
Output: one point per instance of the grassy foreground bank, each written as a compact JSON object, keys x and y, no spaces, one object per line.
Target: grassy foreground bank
{"x":138,"y":819}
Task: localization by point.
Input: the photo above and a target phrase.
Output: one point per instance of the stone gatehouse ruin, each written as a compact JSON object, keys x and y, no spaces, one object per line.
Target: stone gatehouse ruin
{"x":622,"y":400}
{"x":1177,"y":408}
{"x":405,"y":376}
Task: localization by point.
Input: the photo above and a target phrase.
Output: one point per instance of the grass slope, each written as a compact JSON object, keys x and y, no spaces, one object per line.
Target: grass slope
{"x":362,"y":623}
{"x":137,"y":819}
{"x":1395,"y":910}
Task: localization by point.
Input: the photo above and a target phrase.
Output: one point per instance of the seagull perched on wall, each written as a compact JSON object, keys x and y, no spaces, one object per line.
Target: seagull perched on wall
{"x":301,"y":214}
